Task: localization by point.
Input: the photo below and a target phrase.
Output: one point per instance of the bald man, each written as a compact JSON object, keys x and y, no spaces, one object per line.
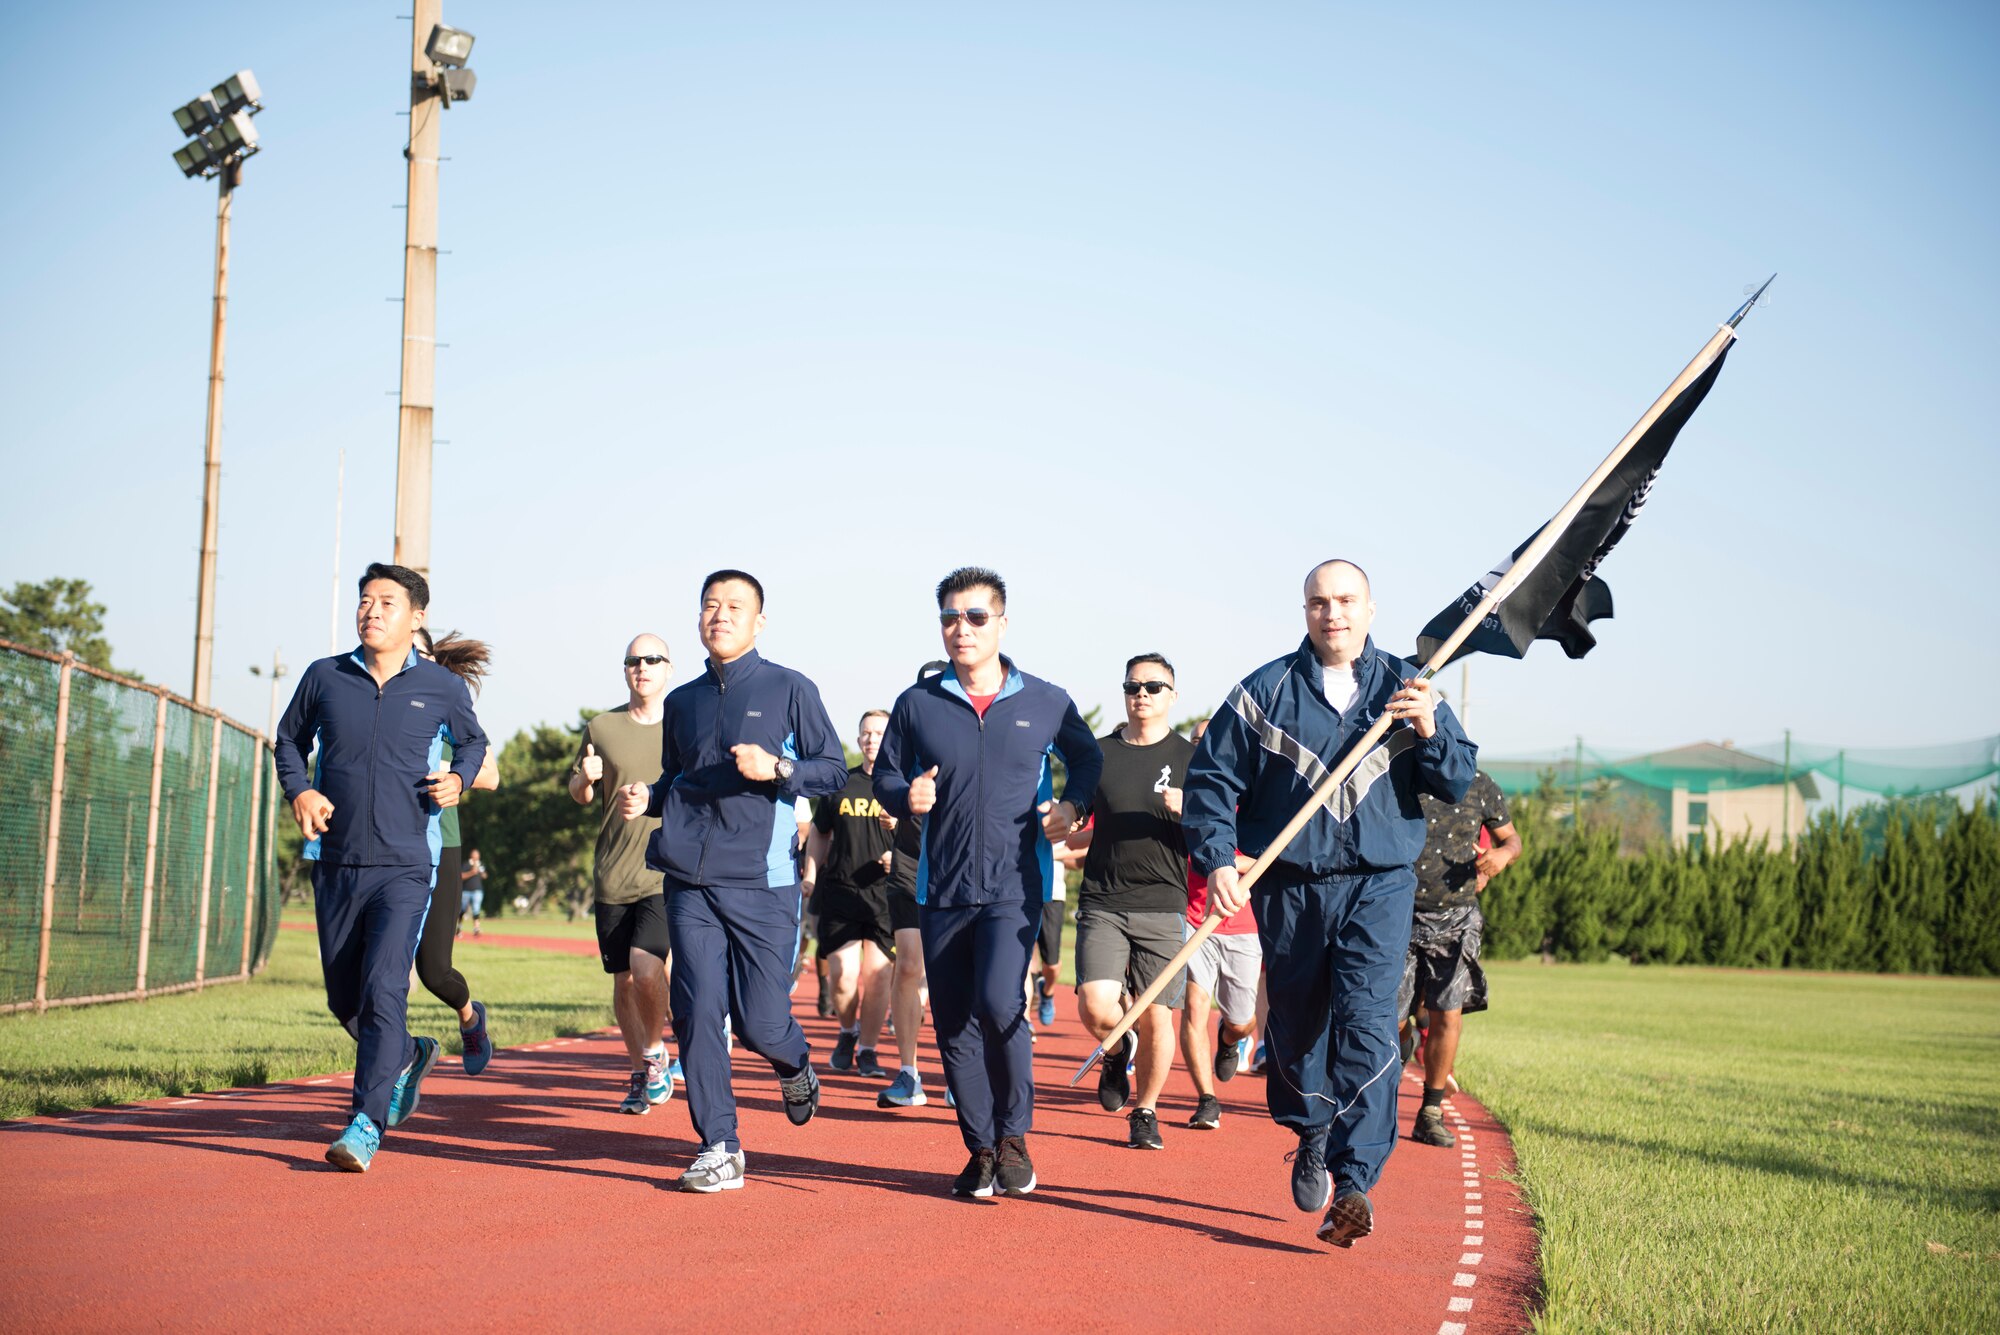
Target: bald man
{"x":621,"y":746}
{"x":1334,"y":910}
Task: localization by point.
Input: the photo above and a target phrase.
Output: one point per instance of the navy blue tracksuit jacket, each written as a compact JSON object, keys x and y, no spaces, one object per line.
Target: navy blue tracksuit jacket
{"x":983,"y":872}
{"x":727,"y":847}
{"x":1334,"y":911}
{"x":372,"y":887}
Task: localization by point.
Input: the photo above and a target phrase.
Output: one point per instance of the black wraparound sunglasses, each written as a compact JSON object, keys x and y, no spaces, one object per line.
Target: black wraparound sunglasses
{"x":1149,"y":687}
{"x":650,"y":660}
{"x":978,"y":616}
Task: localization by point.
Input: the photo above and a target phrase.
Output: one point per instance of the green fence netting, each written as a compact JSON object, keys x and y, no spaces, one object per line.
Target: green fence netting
{"x":1705,"y":767}
{"x":118,"y":922}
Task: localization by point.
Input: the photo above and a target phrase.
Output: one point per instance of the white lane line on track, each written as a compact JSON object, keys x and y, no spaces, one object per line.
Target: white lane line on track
{"x":1451,"y":1328}
{"x":1475,"y":1196}
{"x":1475,"y":1224}
{"x":1463,"y":1280}
{"x":181,"y":1103}
{"x":1473,"y":1240}
{"x":1461,"y":1303}
{"x":1472,"y":1258}
{"x":1475,"y":1209}
{"x":327,"y":1081}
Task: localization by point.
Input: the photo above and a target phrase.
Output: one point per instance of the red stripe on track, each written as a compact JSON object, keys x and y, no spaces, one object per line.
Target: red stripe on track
{"x":521,"y":1200}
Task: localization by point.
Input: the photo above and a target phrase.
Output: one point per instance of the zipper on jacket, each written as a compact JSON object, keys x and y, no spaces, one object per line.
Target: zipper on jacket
{"x":721,"y":699}
{"x":374,"y":730}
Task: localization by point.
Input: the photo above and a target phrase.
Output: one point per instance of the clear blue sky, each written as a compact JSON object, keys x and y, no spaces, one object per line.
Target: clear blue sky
{"x":1149,"y":306}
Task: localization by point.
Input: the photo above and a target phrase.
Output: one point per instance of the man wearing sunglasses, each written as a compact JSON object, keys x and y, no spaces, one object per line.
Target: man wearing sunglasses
{"x":969,"y":751}
{"x":1134,"y":893}
{"x":1334,"y":910}
{"x":621,"y":746}
{"x":739,"y":745}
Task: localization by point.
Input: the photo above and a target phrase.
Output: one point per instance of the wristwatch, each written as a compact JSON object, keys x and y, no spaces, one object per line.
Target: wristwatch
{"x":785,"y":769}
{"x":1082,"y":812}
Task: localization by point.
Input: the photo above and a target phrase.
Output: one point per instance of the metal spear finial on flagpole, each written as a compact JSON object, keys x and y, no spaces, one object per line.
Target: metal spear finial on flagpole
{"x":1523,"y":565}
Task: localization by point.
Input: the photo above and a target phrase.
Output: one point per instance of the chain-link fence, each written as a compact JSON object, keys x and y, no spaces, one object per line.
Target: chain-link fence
{"x":135,"y":838}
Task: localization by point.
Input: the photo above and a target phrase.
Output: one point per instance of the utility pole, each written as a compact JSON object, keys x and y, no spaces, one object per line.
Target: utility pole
{"x":437,"y":79}
{"x":333,"y":605}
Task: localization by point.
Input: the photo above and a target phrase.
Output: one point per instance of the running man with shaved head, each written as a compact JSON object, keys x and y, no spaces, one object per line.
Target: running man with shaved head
{"x":1334,"y":910}
{"x":622,"y":746}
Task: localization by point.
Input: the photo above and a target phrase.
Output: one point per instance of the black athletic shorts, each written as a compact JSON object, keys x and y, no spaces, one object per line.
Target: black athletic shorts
{"x":1442,"y":970}
{"x":624,"y":928}
{"x":847,"y":915}
{"x":903,"y":910}
{"x":1049,"y":940}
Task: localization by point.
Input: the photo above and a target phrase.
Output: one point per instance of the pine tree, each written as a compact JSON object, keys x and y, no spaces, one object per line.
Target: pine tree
{"x":1833,"y":898}
{"x":1971,"y":939}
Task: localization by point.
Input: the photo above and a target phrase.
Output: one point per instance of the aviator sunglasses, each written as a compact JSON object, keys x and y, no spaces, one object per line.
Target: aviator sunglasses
{"x":1149,"y":687}
{"x":978,"y":616}
{"x":650,"y":660}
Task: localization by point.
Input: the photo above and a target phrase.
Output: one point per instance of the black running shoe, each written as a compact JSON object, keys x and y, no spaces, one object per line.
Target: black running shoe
{"x":1311,"y":1187}
{"x":1429,"y":1129}
{"x":843,"y":1052}
{"x":976,"y":1179}
{"x":801,"y":1096}
{"x":1207,"y":1113}
{"x":1351,"y":1217}
{"x":1228,"y":1056}
{"x":867,"y":1063}
{"x":1145,"y":1134}
{"x":1016,"y":1171}
{"x":1114,"y":1075}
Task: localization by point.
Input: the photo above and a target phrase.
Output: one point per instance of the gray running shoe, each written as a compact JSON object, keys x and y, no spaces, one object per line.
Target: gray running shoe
{"x":714,"y":1169}
{"x":1311,"y":1187}
{"x":801,"y":1096}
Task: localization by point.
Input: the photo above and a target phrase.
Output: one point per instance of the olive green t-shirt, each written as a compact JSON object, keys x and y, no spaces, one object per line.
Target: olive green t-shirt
{"x":448,"y":818}
{"x":631,"y":754}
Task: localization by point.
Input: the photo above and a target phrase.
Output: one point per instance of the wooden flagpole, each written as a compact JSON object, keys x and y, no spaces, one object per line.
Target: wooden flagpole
{"x":1523,"y":566}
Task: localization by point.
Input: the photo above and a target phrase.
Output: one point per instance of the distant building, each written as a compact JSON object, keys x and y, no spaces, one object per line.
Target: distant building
{"x":1722,"y":794}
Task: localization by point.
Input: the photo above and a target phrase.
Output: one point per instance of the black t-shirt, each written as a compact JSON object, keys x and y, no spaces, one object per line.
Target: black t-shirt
{"x":1137,"y":861}
{"x":854,"y":858}
{"x":909,"y":842}
{"x":1447,"y":871}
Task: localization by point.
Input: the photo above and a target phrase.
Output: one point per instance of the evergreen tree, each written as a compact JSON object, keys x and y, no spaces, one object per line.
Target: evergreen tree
{"x":1971,"y":939}
{"x":1833,"y":898}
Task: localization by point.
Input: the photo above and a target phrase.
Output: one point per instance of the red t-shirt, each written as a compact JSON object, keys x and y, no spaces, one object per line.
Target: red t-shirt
{"x":1243,"y":920}
{"x":979,"y":702}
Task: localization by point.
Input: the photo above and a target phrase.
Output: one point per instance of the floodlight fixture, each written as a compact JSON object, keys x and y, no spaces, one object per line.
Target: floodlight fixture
{"x":456,"y":85}
{"x":449,"y":46}
{"x":238,"y":92}
{"x":194,"y":158}
{"x":197,"y":115}
{"x":237,"y":134}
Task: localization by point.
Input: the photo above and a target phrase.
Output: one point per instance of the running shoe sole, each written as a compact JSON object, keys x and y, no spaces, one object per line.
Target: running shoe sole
{"x":345,"y":1159}
{"x":1350,"y":1219}
{"x":427,"y":1057}
{"x":726,"y":1184}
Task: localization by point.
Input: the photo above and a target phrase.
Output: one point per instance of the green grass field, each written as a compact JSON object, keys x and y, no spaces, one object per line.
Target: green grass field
{"x":1733,"y":1151}
{"x":275,"y":1027}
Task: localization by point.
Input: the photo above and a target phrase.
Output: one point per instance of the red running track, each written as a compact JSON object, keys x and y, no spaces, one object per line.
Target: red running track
{"x":522,"y":1201}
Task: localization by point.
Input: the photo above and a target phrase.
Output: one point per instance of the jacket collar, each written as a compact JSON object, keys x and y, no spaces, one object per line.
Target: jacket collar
{"x":728,"y":674}
{"x":1366,"y":665}
{"x":360,"y":657}
{"x":948,"y":681}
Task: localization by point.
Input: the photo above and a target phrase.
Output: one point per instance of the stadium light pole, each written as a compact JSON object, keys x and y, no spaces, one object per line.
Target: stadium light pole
{"x":278,"y":669}
{"x":438,"y":78}
{"x":221,"y":137}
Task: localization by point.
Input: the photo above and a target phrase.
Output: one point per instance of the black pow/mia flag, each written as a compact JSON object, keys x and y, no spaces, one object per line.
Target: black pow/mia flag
{"x":1562,"y":595}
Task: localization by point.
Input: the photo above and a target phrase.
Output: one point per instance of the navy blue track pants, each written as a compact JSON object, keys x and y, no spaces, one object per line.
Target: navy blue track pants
{"x":976,"y":960}
{"x":1333,"y":958}
{"x":734,"y":951}
{"x":370,"y":919}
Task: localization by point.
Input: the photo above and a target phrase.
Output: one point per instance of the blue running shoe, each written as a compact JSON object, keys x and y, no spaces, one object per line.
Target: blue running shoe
{"x":1045,"y":1004}
{"x":659,"y":1085}
{"x":409,"y":1089}
{"x":478,"y":1047}
{"x":674,"y":1072}
{"x":356,"y":1147}
{"x":949,"y":1101}
{"x":906,"y":1091}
